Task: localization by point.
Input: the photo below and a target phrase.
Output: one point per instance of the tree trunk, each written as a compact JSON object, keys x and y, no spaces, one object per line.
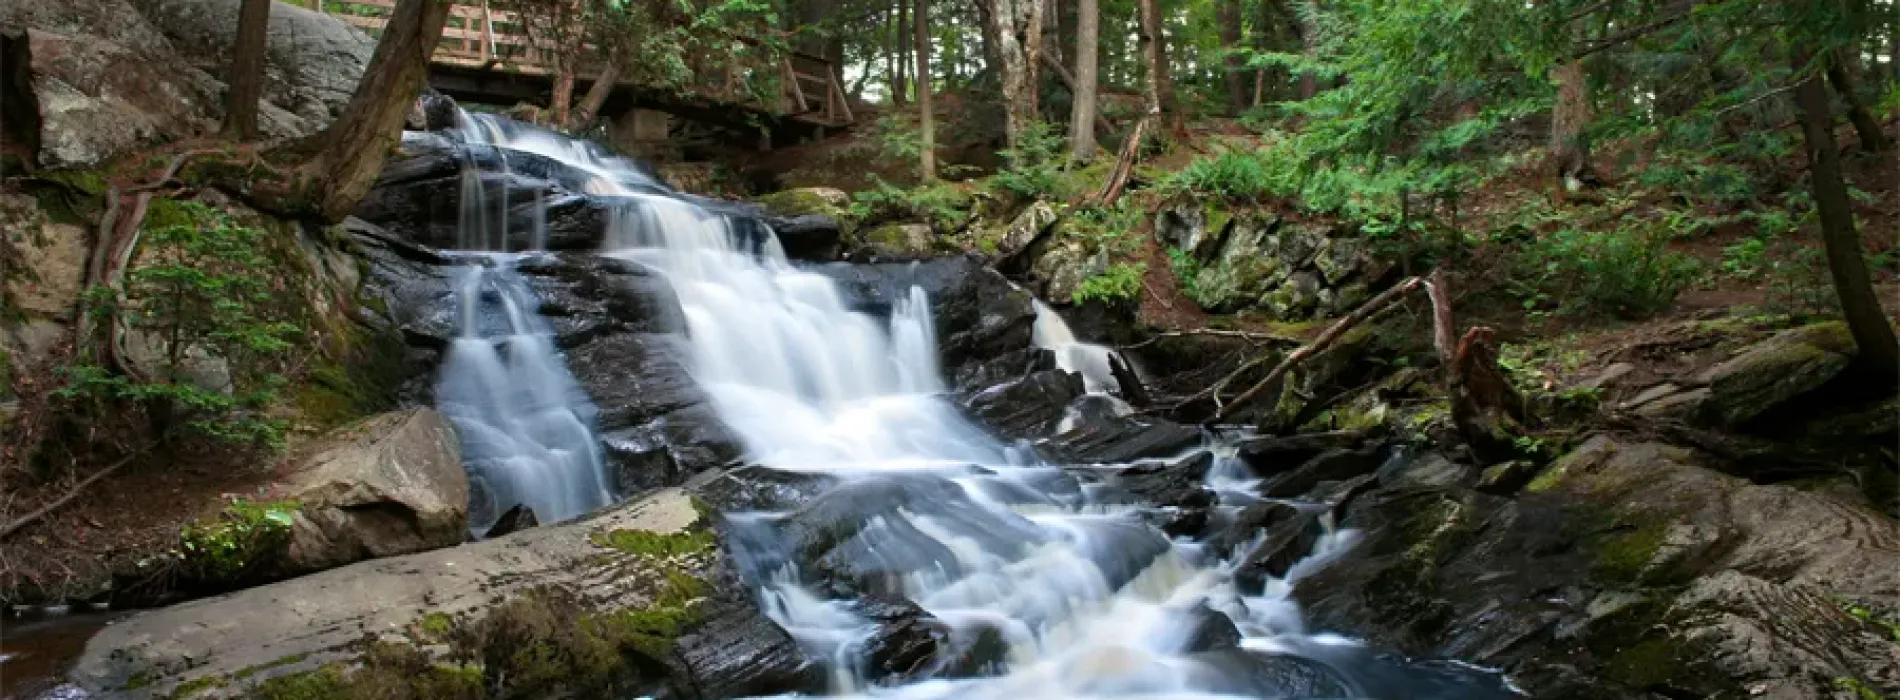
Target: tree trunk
{"x":1872,"y":139}
{"x":926,"y":121}
{"x":358,"y":141}
{"x":1148,"y":35}
{"x":1568,"y":119}
{"x":1088,"y":27}
{"x":246,"y":78}
{"x":1228,"y":12}
{"x":901,"y":59}
{"x":597,"y":94}
{"x":1016,"y":28}
{"x":562,"y":97}
{"x":1879,"y":357}
{"x":1309,"y":45}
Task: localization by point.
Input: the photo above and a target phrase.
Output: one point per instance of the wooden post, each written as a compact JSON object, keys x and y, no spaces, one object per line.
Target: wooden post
{"x":836,"y":78}
{"x":488,"y":33}
{"x":791,"y":82}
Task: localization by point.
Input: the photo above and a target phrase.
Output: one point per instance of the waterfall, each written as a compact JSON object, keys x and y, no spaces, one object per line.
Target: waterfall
{"x":1086,"y":598}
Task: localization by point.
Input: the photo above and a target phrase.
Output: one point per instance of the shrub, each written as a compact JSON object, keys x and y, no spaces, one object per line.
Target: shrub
{"x":201,"y":292}
{"x":1120,"y":283}
{"x":1627,"y":272}
{"x":1233,"y":174}
{"x":1034,"y":167}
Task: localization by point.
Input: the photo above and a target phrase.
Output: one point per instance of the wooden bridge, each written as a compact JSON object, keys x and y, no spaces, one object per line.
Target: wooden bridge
{"x":488,"y":54}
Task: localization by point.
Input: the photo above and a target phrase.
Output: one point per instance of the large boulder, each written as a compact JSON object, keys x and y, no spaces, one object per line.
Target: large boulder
{"x":1770,"y":373}
{"x":389,"y":485}
{"x":110,"y":76}
{"x":633,"y":601}
{"x":979,"y":316}
{"x":1625,"y":571}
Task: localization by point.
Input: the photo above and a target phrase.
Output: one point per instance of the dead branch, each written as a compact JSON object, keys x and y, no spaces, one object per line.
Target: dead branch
{"x":1248,"y":336}
{"x":1319,"y":344}
{"x":1125,"y":162}
{"x":77,"y":489}
{"x":1440,"y":295}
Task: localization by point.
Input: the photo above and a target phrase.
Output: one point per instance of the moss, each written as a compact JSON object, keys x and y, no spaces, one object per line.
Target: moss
{"x":137,"y":681}
{"x":238,"y":541}
{"x":198,"y":686}
{"x":321,"y":684}
{"x":436,"y":625}
{"x":658,"y":545}
{"x":249,"y":671}
{"x":90,"y":182}
{"x":1647,"y":664}
{"x":164,"y":212}
{"x":1626,"y":556}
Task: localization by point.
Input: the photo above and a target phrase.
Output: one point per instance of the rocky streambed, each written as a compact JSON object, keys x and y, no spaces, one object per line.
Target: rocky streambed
{"x":1628,"y":567}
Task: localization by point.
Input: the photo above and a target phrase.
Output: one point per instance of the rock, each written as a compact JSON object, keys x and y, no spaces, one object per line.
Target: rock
{"x":514,"y":520}
{"x":908,"y":644}
{"x":1297,"y":297}
{"x":1014,"y":365}
{"x":1269,"y":454}
{"x":1336,"y":464}
{"x":1193,"y":228}
{"x":1774,"y":371}
{"x":1209,"y":630}
{"x":813,"y":237}
{"x":1023,"y":230}
{"x":53,"y":254}
{"x":1031,"y":407}
{"x":1506,"y":478}
{"x":1061,"y":270}
{"x":99,"y":99}
{"x":1677,"y":405}
{"x":1176,"y":487}
{"x":1428,"y":471}
{"x":826,"y":204}
{"x":756,"y":488}
{"x":1119,"y":441}
{"x":1338,"y":258}
{"x":1609,"y":377}
{"x":1252,"y":521}
{"x":979,"y":316}
{"x":1650,"y":394}
{"x":312,"y":61}
{"x":433,"y":111}
{"x":1285,"y":543}
{"x":899,"y":242}
{"x":1243,"y":673}
{"x":634,"y":597}
{"x":1628,"y":571}
{"x":390,"y":485}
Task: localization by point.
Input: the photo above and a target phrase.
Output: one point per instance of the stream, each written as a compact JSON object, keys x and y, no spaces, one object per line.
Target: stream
{"x":1053,"y":589}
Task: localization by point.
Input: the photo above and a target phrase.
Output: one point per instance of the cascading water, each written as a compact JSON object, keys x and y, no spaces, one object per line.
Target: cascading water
{"x":524,"y":424}
{"x":1085,"y":598}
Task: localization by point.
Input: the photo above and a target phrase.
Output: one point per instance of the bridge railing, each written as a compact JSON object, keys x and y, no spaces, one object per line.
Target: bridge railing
{"x":482,"y":37}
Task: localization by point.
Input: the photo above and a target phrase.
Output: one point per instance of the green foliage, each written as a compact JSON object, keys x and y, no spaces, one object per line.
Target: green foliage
{"x":1187,"y":269}
{"x":1628,"y":272}
{"x":199,"y":295}
{"x":1034,"y":167}
{"x":944,"y":205}
{"x":1236,"y":175}
{"x":244,"y":536}
{"x":1119,"y":284}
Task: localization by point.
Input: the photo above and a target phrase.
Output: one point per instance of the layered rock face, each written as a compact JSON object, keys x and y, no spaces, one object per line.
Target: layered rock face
{"x":109,"y":76}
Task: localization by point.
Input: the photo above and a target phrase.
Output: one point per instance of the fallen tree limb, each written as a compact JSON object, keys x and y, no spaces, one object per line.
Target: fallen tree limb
{"x":1485,"y":408}
{"x":1068,"y":81}
{"x":1321,"y":343}
{"x":77,"y":489}
{"x":1249,"y":336}
{"x":1125,"y":163}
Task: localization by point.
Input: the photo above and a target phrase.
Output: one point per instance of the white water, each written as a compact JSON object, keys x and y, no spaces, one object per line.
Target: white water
{"x":1089,"y":600}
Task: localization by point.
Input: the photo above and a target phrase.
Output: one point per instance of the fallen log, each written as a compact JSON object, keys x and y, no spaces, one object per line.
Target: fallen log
{"x":1325,"y":340}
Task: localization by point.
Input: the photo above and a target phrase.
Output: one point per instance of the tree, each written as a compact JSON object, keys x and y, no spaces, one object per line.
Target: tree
{"x":246,"y":78}
{"x":1879,"y":358}
{"x":355,"y":145}
{"x":597,"y":95}
{"x":925,"y":120}
{"x":1569,"y":116}
{"x":1231,"y":64}
{"x":1088,"y":27}
{"x":1016,"y":28}
{"x":1872,"y":139}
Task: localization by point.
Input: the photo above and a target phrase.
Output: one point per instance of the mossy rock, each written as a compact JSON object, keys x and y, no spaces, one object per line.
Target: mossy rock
{"x":1771,"y":373}
{"x":806,"y":201}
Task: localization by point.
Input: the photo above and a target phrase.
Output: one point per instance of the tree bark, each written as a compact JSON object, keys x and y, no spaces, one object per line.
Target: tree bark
{"x":1016,"y":27}
{"x":1088,"y":27}
{"x":1228,"y":13}
{"x":1309,"y":45}
{"x":1879,"y":358}
{"x":1568,"y":119}
{"x":1148,"y":35}
{"x":926,"y":121}
{"x":358,"y":141}
{"x":900,"y":83}
{"x":561,"y":98}
{"x":597,"y":94}
{"x":1872,"y":138}
{"x":246,"y":78}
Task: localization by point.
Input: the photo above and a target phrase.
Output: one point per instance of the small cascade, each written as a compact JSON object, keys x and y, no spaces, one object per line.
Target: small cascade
{"x":1080,"y":597}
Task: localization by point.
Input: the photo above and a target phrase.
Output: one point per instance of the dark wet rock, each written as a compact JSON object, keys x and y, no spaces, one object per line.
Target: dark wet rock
{"x":1505,"y":478}
{"x":1338,"y":495}
{"x":813,"y":237}
{"x":1010,"y":366}
{"x":979,"y":316}
{"x":908,"y":643}
{"x":1272,"y":454}
{"x":539,"y":588}
{"x":1429,"y":470}
{"x":1284,"y":544}
{"x":975,"y":651}
{"x":1209,"y":630}
{"x":758,"y":488}
{"x":1175,"y":486}
{"x":1122,"y":547}
{"x":1336,"y":464}
{"x":514,"y":520}
{"x":1623,"y":570}
{"x":433,"y":111}
{"x":1121,"y":440}
{"x":1030,"y":407}
{"x":1256,"y":674}
{"x":1251,"y":522}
